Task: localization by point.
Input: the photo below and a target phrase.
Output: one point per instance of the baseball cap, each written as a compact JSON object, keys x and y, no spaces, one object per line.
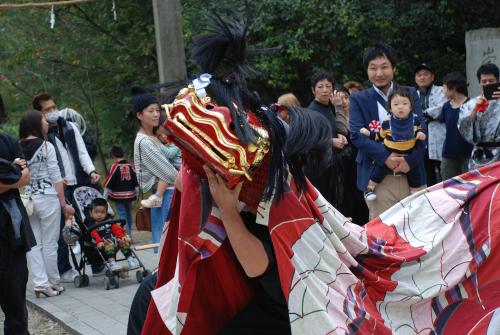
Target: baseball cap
{"x":423,"y":66}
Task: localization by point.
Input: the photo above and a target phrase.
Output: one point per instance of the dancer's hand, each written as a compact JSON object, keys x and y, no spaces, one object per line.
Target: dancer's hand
{"x":225,"y":198}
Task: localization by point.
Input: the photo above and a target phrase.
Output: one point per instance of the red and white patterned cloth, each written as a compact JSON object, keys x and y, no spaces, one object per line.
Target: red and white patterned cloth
{"x":425,"y":266}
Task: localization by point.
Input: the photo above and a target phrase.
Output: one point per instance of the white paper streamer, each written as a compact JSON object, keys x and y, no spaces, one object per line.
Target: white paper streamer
{"x":52,"y":17}
{"x":113,"y":9}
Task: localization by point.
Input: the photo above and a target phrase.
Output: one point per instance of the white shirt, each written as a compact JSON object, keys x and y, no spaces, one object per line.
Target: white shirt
{"x":67,"y":160}
{"x":382,"y":111}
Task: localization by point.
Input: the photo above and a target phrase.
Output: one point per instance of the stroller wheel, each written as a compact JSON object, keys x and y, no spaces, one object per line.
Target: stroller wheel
{"x":78,"y":281}
{"x":139,"y":276}
{"x":117,"y":281}
{"x":107,"y":284}
{"x":85,"y":280}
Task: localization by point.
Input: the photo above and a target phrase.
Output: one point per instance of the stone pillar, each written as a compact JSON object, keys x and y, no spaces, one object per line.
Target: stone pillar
{"x":169,"y":40}
{"x":482,"y":47}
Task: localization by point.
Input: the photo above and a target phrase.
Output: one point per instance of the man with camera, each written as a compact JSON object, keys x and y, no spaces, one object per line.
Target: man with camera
{"x":479,"y":120}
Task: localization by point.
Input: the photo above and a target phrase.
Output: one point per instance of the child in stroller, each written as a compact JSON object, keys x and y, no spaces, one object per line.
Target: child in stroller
{"x":109,"y":237}
{"x":82,"y":198}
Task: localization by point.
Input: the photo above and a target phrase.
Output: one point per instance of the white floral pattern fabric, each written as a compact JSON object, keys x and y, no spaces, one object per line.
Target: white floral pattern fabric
{"x":44,"y":172}
{"x":483,"y":132}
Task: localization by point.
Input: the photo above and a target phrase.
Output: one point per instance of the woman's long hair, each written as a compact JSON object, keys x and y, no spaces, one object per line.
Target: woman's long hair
{"x":31,"y":124}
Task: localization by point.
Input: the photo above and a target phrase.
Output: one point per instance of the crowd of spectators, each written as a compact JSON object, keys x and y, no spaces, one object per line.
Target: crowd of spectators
{"x":449,"y":133}
{"x":388,"y":141}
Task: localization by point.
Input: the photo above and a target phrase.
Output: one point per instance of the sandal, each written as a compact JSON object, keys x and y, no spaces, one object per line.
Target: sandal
{"x":46,"y":291}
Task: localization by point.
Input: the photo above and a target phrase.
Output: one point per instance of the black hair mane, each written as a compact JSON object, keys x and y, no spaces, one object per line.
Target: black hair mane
{"x":308,"y":142}
{"x":221,"y":52}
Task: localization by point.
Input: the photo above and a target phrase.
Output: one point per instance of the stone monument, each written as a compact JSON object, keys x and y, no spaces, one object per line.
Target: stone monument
{"x":482,"y":46}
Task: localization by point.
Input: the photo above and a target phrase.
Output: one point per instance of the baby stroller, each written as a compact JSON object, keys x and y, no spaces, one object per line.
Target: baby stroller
{"x":82,"y":197}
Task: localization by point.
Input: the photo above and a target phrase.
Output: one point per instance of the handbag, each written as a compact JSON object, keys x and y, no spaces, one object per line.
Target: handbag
{"x":143,"y":219}
{"x":142,"y":216}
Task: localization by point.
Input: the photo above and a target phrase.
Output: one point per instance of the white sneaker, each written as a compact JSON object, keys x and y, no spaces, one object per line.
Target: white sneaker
{"x":133,"y":263}
{"x":113,"y":266}
{"x":370,"y":194}
{"x":152,"y":202}
{"x":69,"y":276}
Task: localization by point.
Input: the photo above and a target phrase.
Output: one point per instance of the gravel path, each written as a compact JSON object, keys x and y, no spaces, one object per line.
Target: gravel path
{"x":39,"y":324}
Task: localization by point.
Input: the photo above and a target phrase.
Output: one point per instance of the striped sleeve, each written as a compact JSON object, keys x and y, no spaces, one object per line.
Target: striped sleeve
{"x":156,"y":163}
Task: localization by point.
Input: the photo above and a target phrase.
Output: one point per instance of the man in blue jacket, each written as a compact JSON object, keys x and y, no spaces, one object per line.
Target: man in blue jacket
{"x":368,"y":109}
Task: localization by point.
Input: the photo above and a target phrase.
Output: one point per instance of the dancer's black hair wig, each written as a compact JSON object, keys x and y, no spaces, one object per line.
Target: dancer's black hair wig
{"x":221,"y":52}
{"x":309,"y":141}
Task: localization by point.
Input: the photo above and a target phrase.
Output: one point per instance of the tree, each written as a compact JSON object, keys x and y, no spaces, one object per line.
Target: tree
{"x":332,"y":35}
{"x":89,"y":61}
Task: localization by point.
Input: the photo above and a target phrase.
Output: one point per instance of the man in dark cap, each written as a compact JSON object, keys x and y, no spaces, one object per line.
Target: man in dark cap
{"x":431,"y":99}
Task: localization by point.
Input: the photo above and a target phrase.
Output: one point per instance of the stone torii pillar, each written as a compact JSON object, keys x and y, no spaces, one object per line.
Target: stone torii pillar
{"x":169,"y":40}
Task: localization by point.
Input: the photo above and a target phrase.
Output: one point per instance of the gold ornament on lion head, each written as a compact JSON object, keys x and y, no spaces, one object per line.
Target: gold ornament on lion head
{"x":206,"y":134}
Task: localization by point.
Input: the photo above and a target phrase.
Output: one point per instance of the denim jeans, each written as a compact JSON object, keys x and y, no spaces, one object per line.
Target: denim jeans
{"x":124,"y":209}
{"x":159,"y":216}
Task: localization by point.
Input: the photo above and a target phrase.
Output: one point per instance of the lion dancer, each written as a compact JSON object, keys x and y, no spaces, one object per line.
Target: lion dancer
{"x":229,"y":249}
{"x":253,"y":248}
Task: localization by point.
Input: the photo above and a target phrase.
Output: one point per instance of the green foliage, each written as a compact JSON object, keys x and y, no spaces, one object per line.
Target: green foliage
{"x":332,"y":35}
{"x":89,"y":61}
